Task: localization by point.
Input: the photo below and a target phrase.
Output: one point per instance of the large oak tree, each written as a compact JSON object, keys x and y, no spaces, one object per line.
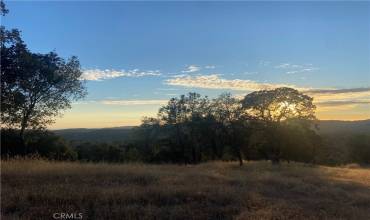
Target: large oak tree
{"x":34,"y":87}
{"x":274,"y":109}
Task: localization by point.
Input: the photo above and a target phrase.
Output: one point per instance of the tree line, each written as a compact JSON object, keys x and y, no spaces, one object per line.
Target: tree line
{"x":276,"y":124}
{"x":192,"y":129}
{"x":268,"y":124}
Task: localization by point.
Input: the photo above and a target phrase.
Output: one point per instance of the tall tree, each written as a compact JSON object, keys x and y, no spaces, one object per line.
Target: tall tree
{"x":35,"y":87}
{"x":229,"y":112}
{"x":186,"y":115}
{"x":3,"y":9}
{"x":38,"y":88}
{"x":174,"y":115}
{"x":279,"y":104}
{"x":274,"y":108}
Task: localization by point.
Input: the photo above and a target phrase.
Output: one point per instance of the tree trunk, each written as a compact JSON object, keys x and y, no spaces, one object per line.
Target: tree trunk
{"x":275,"y":160}
{"x":24,"y":125}
{"x":21,"y":137}
{"x":240,"y":157}
{"x":194,"y":154}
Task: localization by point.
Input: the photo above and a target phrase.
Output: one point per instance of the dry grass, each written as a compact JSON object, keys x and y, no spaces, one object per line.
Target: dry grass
{"x":36,"y":189}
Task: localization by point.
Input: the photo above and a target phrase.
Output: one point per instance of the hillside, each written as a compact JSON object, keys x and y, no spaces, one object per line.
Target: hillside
{"x":334,"y":126}
{"x":219,"y":190}
{"x":116,"y":134}
{"x":121,"y":134}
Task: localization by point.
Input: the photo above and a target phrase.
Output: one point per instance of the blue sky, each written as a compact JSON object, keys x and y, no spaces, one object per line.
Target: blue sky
{"x":137,"y":54}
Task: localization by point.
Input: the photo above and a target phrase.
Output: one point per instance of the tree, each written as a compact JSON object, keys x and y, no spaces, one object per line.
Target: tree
{"x":36,"y":91}
{"x":34,"y":87}
{"x":276,"y":108}
{"x":174,"y":115}
{"x":359,"y":148}
{"x":279,"y":104}
{"x":185,"y":117}
{"x":3,"y":9}
{"x":229,"y":112}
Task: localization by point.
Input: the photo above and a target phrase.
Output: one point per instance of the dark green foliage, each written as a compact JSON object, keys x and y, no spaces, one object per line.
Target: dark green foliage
{"x":103,"y":152}
{"x":275,"y":112}
{"x":3,"y":9}
{"x":193,"y":129}
{"x":359,"y":149}
{"x":35,"y":87}
{"x":42,"y":143}
{"x":49,"y":145}
{"x":96,"y":135}
{"x":11,"y":144}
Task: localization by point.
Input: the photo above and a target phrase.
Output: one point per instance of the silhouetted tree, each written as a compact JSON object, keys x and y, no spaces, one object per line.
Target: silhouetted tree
{"x":3,"y":9}
{"x":35,"y":87}
{"x":273,"y":109}
{"x":359,"y":149}
{"x":229,"y":112}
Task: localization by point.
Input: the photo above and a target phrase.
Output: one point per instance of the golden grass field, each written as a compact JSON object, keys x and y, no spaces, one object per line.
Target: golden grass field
{"x":34,"y":189}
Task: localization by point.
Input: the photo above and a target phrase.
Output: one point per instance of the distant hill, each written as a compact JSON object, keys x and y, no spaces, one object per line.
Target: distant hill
{"x":121,"y":134}
{"x":344,"y":127}
{"x":116,"y":134}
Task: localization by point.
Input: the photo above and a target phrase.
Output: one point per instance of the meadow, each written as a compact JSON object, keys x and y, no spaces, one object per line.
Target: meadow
{"x":35,"y":189}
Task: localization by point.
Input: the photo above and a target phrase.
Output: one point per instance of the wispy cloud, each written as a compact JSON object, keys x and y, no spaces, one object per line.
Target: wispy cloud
{"x":134,"y":102}
{"x":98,"y":74}
{"x":214,"y":81}
{"x":210,"y":67}
{"x":352,"y":94}
{"x":325,"y":98}
{"x":331,"y":106}
{"x":288,"y":66}
{"x":301,"y":70}
{"x":335,"y":100}
{"x":191,"y":69}
{"x":264,"y":63}
{"x":296,"y":68}
{"x":168,"y":89}
{"x":339,"y":91}
{"x":343,"y":103}
{"x":250,"y":73}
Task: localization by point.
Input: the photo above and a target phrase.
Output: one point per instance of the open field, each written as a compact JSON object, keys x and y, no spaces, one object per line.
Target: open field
{"x":219,"y":190}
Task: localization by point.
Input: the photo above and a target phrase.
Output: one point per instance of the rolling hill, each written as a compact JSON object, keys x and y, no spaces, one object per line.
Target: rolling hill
{"x":116,"y":134}
{"x":121,"y":134}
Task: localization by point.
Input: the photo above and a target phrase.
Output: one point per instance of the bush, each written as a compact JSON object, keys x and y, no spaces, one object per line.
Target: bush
{"x":359,"y":149}
{"x":44,"y":143}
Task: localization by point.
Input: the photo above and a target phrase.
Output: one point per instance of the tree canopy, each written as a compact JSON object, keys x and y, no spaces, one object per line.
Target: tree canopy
{"x":279,"y":104}
{"x":34,"y":87}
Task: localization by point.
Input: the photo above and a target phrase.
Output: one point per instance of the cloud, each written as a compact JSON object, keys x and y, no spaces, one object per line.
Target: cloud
{"x":330,"y":100}
{"x":295,"y":68}
{"x":250,"y":73}
{"x":301,"y":70}
{"x":331,"y":106}
{"x":339,"y":91}
{"x":352,"y":94}
{"x":288,"y":66}
{"x":210,"y":67}
{"x":191,"y":69}
{"x":134,"y":102}
{"x":214,"y":81}
{"x":343,"y":103}
{"x":99,"y":75}
{"x":167,"y":89}
{"x":264,"y":63}
{"x":325,"y":99}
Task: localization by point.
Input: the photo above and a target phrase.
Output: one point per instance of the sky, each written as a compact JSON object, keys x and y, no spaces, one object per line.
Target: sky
{"x":137,"y":55}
